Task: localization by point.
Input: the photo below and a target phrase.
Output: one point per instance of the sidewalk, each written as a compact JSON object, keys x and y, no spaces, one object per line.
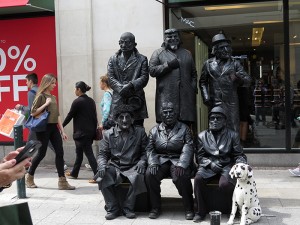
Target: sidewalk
{"x":278,"y":191}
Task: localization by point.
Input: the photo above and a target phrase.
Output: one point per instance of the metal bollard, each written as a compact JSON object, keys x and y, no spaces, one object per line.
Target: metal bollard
{"x":215,"y":218}
{"x":18,"y":142}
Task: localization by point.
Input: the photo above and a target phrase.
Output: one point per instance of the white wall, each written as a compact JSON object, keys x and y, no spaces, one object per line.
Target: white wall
{"x":87,"y":34}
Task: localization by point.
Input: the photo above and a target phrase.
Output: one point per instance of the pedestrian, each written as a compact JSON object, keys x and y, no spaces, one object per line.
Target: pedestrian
{"x":105,"y":103}
{"x":176,"y":77}
{"x":84,"y":115}
{"x":44,"y":100}
{"x":128,"y":75}
{"x":32,"y":85}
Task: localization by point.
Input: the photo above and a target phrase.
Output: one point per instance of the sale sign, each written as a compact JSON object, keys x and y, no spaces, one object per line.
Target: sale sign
{"x":26,"y":46}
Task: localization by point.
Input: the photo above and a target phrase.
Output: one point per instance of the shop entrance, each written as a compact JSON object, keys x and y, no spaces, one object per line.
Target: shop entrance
{"x":256,"y":30}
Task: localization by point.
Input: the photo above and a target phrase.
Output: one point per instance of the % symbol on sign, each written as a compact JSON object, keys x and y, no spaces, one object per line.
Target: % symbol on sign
{"x":13,"y":53}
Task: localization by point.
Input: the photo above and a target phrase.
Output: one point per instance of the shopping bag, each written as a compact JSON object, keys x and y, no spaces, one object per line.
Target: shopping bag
{"x":17,"y":214}
{"x":9,"y":119}
{"x":38,"y":123}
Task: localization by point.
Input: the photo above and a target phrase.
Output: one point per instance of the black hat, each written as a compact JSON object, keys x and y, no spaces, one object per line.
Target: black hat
{"x":219,"y":38}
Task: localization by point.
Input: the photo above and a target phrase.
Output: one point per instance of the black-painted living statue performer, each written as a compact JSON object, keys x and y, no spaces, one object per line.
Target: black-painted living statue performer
{"x":220,"y":77}
{"x":170,"y":154}
{"x":122,"y":156}
{"x":128,"y":74}
{"x":218,"y":149}
{"x":176,"y":77}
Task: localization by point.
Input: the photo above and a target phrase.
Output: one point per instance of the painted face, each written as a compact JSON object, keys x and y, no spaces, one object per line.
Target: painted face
{"x":172,"y":41}
{"x":216,"y":122}
{"x":168,"y":115}
{"x":126,"y":43}
{"x":124,"y":121}
{"x":223,"y":50}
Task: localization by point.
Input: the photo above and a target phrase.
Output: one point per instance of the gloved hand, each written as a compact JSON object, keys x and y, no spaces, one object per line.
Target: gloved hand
{"x":127,"y":90}
{"x":140,"y":168}
{"x":216,"y":167}
{"x":174,"y":64}
{"x":179,"y":171}
{"x":153,"y":169}
{"x":101,"y":172}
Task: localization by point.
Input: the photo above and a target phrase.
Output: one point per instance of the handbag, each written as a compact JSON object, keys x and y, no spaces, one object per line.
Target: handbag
{"x":38,"y":123}
{"x":10,"y":119}
{"x":98,"y":135}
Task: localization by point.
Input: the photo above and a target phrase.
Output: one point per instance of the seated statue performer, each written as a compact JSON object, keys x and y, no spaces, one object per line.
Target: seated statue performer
{"x":170,"y":154}
{"x":218,"y":149}
{"x":122,"y":157}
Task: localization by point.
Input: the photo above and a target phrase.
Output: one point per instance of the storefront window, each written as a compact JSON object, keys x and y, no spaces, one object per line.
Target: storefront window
{"x":257,"y":35}
{"x":294,"y":36}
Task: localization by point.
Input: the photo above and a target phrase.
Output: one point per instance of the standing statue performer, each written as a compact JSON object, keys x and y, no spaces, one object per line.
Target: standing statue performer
{"x":176,"y":77}
{"x":128,"y":74}
{"x":220,"y":77}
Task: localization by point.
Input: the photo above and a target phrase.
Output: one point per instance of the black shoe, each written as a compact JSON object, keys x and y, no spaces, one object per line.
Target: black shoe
{"x":154,"y":213}
{"x":128,"y":213}
{"x":189,"y":215}
{"x":111,"y":216}
{"x":197,"y":218}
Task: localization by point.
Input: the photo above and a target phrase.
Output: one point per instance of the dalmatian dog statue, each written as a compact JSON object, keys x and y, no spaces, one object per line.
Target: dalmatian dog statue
{"x":245,"y":195}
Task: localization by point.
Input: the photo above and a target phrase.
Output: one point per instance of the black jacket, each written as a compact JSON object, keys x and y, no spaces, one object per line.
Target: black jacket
{"x":84,"y":115}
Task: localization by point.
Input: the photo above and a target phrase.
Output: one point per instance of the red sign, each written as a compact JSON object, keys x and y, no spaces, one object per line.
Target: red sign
{"x":26,"y":46}
{"x":8,"y":3}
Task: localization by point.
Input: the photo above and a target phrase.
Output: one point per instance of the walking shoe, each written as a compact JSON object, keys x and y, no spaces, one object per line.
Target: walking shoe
{"x":29,"y":181}
{"x":154,"y":213}
{"x":92,"y":181}
{"x":64,"y":185}
{"x":295,"y":172}
{"x":88,"y":166}
{"x":69,"y":175}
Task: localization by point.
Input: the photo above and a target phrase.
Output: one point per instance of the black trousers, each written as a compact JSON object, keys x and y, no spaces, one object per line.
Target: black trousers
{"x":84,"y":145}
{"x":200,"y":184}
{"x":52,"y":133}
{"x":183,"y":185}
{"x":113,"y":197}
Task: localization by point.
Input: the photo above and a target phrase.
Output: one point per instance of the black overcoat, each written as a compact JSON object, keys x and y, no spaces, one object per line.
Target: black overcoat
{"x":218,"y":87}
{"x":134,"y":71}
{"x":226,"y":151}
{"x":123,"y":157}
{"x":178,"y":86}
{"x":176,"y":147}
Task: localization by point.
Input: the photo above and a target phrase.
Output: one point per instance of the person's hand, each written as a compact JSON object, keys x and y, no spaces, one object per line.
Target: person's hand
{"x":126,"y":90}
{"x":64,"y":136}
{"x":101,"y":172}
{"x":174,"y":64}
{"x":153,"y":169}
{"x":10,"y":171}
{"x":18,"y":107}
{"x":12,"y":155}
{"x":140,"y":168}
{"x":216,"y":167}
{"x":179,"y":171}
